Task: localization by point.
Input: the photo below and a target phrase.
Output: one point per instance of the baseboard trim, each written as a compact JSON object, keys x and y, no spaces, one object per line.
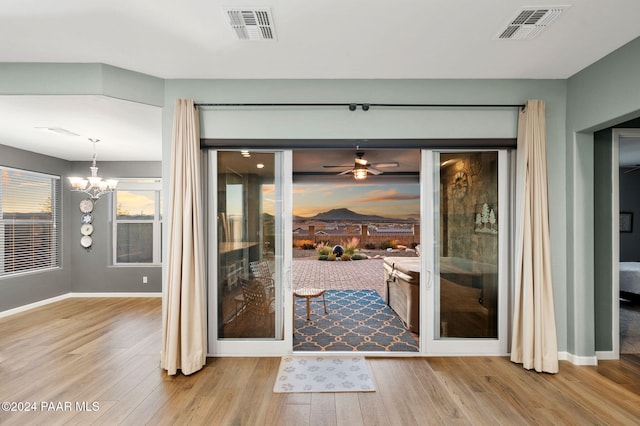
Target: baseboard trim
{"x":607,"y":355}
{"x":33,"y":305}
{"x":139,"y":294}
{"x":577,"y":360}
{"x":44,"y":302}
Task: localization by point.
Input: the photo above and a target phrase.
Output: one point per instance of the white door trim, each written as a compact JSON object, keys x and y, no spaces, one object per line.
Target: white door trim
{"x":615,"y":241}
{"x":257,"y":347}
{"x":430,"y":345}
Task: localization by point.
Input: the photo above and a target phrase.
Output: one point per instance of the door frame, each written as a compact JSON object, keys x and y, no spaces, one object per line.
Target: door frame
{"x":284,"y":297}
{"x":615,"y":241}
{"x":469,"y":346}
{"x":428,"y":346}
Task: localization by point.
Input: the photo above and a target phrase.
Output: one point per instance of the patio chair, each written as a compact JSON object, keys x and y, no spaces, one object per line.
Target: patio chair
{"x":257,"y":302}
{"x":260,"y":270}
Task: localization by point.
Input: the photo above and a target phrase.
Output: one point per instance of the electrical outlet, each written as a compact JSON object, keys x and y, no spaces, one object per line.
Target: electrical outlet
{"x":144,"y":279}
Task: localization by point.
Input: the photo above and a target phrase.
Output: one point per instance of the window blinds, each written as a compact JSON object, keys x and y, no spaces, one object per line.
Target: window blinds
{"x":30,"y":221}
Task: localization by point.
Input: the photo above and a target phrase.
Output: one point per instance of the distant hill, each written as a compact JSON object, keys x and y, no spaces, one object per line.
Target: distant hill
{"x":347,"y":215}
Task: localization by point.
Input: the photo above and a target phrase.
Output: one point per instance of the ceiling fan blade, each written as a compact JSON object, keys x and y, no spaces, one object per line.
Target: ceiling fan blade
{"x":361,"y":161}
{"x":374,"y":171}
{"x":345,"y":172}
{"x":386,"y":164}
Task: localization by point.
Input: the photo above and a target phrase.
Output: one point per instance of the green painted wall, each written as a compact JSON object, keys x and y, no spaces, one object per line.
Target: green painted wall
{"x":80,"y":79}
{"x":602,"y":95}
{"x":603,"y":196}
{"x":310,"y":123}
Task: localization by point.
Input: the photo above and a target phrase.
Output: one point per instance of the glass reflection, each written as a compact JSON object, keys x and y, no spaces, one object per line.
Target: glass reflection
{"x":246,"y":237}
{"x":468,"y":261}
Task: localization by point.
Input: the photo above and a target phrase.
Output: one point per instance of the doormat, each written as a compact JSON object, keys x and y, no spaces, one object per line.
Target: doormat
{"x":323,"y":374}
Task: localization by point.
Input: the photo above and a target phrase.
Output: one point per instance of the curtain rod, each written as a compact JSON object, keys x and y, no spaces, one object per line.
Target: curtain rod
{"x":364,"y":106}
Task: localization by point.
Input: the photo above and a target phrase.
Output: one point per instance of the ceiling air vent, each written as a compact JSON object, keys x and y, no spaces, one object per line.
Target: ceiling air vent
{"x":251,"y":23}
{"x":529,"y":21}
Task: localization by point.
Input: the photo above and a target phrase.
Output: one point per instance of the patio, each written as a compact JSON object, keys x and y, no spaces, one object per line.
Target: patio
{"x":340,"y":276}
{"x":365,"y":274}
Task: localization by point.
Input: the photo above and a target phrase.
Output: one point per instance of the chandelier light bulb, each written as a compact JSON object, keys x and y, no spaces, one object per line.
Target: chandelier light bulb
{"x":93,"y":185}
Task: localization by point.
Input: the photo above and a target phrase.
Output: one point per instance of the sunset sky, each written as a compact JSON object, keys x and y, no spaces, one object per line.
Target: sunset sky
{"x":398,"y":201}
{"x":15,"y":184}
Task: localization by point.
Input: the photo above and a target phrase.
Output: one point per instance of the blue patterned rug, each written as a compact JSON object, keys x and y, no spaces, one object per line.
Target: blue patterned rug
{"x":357,"y":320}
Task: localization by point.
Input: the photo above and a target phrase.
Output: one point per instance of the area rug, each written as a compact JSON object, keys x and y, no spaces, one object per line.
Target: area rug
{"x":356,"y":320}
{"x":323,"y":374}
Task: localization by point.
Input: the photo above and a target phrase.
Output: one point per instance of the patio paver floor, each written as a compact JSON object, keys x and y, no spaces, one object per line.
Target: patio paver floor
{"x":365,"y":274}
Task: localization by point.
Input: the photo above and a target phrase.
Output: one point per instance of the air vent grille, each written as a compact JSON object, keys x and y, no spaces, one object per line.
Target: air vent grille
{"x":529,"y":22}
{"x":251,"y":23}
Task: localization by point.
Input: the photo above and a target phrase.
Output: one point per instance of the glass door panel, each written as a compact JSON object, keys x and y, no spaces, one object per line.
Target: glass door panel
{"x":250,"y":262}
{"x":468,"y":256}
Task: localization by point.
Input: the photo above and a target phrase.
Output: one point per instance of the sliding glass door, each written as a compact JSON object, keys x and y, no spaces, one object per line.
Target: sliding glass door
{"x":464,"y":264}
{"x":466,"y":199}
{"x":249,"y":239}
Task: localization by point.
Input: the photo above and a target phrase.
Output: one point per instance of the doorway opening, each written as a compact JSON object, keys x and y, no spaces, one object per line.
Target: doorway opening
{"x":393,"y":253}
{"x":352,"y":209}
{"x":629,"y":237}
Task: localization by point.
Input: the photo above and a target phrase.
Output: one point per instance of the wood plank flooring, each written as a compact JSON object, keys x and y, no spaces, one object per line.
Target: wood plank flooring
{"x":96,"y":361}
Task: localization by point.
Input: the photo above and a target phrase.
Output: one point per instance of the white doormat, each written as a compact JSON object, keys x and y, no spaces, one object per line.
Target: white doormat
{"x":323,"y":374}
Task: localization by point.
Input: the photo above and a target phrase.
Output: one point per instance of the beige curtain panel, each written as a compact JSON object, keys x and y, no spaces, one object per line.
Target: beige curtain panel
{"x":184,"y":343}
{"x":534,"y":343}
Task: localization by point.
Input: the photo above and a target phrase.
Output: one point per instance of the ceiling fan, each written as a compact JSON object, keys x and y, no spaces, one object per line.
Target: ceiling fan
{"x":361,"y":167}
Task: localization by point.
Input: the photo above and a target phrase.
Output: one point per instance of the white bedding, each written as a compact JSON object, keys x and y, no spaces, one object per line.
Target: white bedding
{"x":630,"y":277}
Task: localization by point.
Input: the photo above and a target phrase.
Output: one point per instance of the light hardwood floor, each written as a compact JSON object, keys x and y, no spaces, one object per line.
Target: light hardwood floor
{"x":106,"y":351}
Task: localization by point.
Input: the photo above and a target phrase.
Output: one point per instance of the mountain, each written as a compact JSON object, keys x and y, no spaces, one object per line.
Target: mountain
{"x":347,"y":215}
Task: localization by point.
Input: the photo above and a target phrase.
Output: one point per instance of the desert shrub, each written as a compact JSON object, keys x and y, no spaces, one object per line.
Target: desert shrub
{"x":389,"y":244}
{"x":370,"y":246}
{"x":332,"y":257}
{"x":358,"y":257}
{"x":323,"y":249}
{"x":351,"y":245}
{"x":305,"y":244}
{"x":323,"y":257}
{"x":346,"y":256}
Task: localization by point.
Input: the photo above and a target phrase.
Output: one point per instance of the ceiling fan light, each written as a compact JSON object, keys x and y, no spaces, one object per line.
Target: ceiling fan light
{"x":359,"y":174}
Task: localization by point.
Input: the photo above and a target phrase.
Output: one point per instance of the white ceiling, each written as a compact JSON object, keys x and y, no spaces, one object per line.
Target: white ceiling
{"x":326,"y":39}
{"x":25,"y":122}
{"x":317,"y":39}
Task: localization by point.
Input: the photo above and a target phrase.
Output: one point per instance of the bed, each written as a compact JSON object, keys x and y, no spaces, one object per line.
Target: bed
{"x":630,"y":278}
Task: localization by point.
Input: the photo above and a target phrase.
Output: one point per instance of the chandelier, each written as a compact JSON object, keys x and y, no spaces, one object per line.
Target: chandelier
{"x":93,"y":185}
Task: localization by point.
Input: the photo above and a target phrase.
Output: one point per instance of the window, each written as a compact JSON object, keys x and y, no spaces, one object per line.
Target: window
{"x":137,"y":225}
{"x":30,"y":230}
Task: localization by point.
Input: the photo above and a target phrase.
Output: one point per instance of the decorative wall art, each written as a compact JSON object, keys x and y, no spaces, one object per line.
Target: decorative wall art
{"x":486,"y":219}
{"x":86,"y":229}
{"x":626,"y":222}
